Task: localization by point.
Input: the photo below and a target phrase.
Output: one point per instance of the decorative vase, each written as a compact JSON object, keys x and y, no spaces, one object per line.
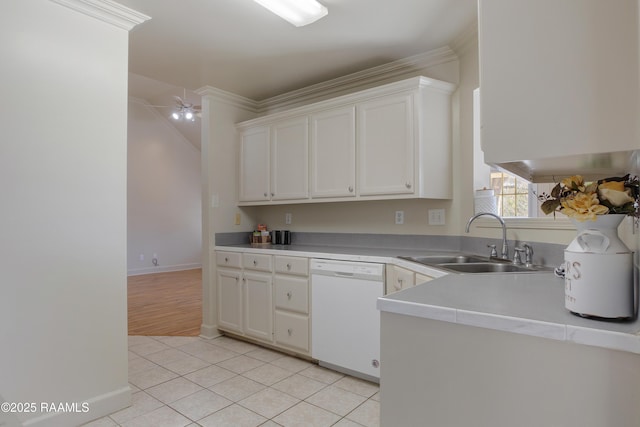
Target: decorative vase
{"x":599,"y":271}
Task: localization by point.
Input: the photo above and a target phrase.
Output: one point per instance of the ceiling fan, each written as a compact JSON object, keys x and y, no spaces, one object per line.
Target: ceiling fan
{"x":185,"y":110}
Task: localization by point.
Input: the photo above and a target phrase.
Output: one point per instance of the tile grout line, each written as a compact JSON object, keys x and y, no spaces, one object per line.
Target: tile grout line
{"x":235,"y":347}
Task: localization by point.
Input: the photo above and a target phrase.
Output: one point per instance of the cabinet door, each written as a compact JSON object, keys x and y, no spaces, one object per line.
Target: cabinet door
{"x":333,"y":153}
{"x":258,"y":308}
{"x":386,"y":146}
{"x":292,"y":330}
{"x":254,"y":164}
{"x":399,"y":278}
{"x":558,"y":79}
{"x":229,"y":299}
{"x":290,"y":159}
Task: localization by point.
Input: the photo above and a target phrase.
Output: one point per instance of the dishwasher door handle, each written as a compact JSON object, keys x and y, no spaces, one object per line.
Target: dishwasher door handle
{"x":341,"y":274}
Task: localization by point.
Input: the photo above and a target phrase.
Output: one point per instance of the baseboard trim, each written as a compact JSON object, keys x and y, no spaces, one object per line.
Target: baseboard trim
{"x":209,"y":332}
{"x":163,"y":269}
{"x":99,"y":406}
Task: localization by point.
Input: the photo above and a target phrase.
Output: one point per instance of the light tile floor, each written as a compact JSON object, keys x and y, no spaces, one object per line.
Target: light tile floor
{"x":189,"y":381}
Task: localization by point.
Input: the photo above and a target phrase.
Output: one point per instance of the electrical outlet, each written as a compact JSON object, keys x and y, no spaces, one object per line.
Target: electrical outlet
{"x":436,"y":217}
{"x":287,"y":218}
{"x":399,"y":217}
{"x":237,"y":218}
{"x":141,"y":257}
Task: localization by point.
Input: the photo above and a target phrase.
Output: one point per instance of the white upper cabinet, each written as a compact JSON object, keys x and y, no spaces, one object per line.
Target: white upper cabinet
{"x":386,"y":146}
{"x":254,"y":165}
{"x":289,"y":159}
{"x":558,"y":78}
{"x":274,"y":162}
{"x":389,"y":142}
{"x":333,"y":153}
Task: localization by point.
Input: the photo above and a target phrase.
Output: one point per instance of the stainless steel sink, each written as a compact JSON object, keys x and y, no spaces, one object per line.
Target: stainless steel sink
{"x":462,"y":263}
{"x":488,"y":267}
{"x":445,"y":259}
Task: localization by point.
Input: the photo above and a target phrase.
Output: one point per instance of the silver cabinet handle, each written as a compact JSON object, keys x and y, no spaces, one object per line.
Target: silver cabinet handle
{"x":289,"y":295}
{"x":273,"y":194}
{"x":350,"y":189}
{"x":226,"y":259}
{"x":408,"y":185}
{"x":290,"y":331}
{"x":255,"y":263}
{"x":288,"y":266}
{"x":266,"y":195}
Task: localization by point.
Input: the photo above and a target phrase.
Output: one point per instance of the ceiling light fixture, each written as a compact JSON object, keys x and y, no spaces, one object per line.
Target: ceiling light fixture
{"x":184,"y":113}
{"x":297,"y":12}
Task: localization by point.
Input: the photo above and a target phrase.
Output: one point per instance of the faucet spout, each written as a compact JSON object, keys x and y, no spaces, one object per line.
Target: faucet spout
{"x":505,"y":248}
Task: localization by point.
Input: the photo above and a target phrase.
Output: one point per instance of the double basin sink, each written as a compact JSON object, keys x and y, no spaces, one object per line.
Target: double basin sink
{"x":461,"y":263}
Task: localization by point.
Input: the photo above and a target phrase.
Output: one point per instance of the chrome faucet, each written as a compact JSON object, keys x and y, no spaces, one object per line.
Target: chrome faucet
{"x":505,"y":247}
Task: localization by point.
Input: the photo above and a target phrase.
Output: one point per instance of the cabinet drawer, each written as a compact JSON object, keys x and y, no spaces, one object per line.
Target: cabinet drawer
{"x":292,"y":265}
{"x":229,"y":259}
{"x":292,"y":293}
{"x":257,"y":262}
{"x":292,"y":330}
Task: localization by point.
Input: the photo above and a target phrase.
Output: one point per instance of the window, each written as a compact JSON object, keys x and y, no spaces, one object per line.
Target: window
{"x":512,"y":194}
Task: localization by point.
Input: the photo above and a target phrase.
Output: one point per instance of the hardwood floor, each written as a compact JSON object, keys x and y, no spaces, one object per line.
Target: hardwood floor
{"x":165,"y":303}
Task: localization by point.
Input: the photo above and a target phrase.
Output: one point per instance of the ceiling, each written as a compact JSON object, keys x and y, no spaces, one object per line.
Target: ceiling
{"x":240,"y":47}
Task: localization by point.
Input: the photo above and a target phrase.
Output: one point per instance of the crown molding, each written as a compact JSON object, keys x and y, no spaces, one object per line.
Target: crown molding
{"x":228,"y":98}
{"x":406,"y":67}
{"x":466,"y":41}
{"x":107,"y":11}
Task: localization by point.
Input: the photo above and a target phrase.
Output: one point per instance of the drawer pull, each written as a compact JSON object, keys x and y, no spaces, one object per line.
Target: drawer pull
{"x":290,"y":331}
{"x":288,"y":266}
{"x":408,"y":185}
{"x":289,"y":294}
{"x":255,"y":262}
{"x":226,"y":259}
{"x":265,"y":195}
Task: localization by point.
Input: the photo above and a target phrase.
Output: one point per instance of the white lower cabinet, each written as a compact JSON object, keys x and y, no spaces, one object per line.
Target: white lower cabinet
{"x":265,"y":297}
{"x":399,"y":278}
{"x":257,"y":306}
{"x":230,"y":299}
{"x":291,"y":303}
{"x":292,"y":330}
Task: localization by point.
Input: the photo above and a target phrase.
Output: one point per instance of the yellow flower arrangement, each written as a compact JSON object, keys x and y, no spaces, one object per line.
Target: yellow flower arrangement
{"x":577,"y":199}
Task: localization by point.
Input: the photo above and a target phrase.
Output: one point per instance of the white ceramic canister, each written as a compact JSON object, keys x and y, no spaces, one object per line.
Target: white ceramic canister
{"x":599,"y":271}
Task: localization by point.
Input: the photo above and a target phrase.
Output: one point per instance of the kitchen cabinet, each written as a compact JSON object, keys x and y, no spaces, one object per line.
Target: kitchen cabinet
{"x":291,"y":303}
{"x":257,"y":306}
{"x":501,"y":379}
{"x":333,"y":153}
{"x":386,"y":146}
{"x":245,"y":294}
{"x":559,"y":84}
{"x":401,"y":133}
{"x":289,"y":154}
{"x":273,"y":161}
{"x":399,"y":278}
{"x":265,"y":298}
{"x":229,"y":280}
{"x":254,"y":173}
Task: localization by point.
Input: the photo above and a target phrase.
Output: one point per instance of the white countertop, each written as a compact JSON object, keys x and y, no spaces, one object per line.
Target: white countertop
{"x":523,"y":303}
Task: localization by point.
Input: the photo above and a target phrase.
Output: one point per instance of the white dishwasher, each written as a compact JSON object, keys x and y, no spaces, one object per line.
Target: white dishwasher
{"x":345,"y":323}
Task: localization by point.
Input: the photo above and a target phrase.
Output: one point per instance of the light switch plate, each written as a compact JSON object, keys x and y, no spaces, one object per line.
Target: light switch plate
{"x":436,"y":217}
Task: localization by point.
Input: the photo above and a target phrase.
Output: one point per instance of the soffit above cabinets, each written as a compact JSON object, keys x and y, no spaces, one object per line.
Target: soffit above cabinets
{"x":590,"y":166}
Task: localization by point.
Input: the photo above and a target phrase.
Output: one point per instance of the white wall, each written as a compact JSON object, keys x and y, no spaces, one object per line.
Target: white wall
{"x":163,"y":195}
{"x":63,"y":307}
